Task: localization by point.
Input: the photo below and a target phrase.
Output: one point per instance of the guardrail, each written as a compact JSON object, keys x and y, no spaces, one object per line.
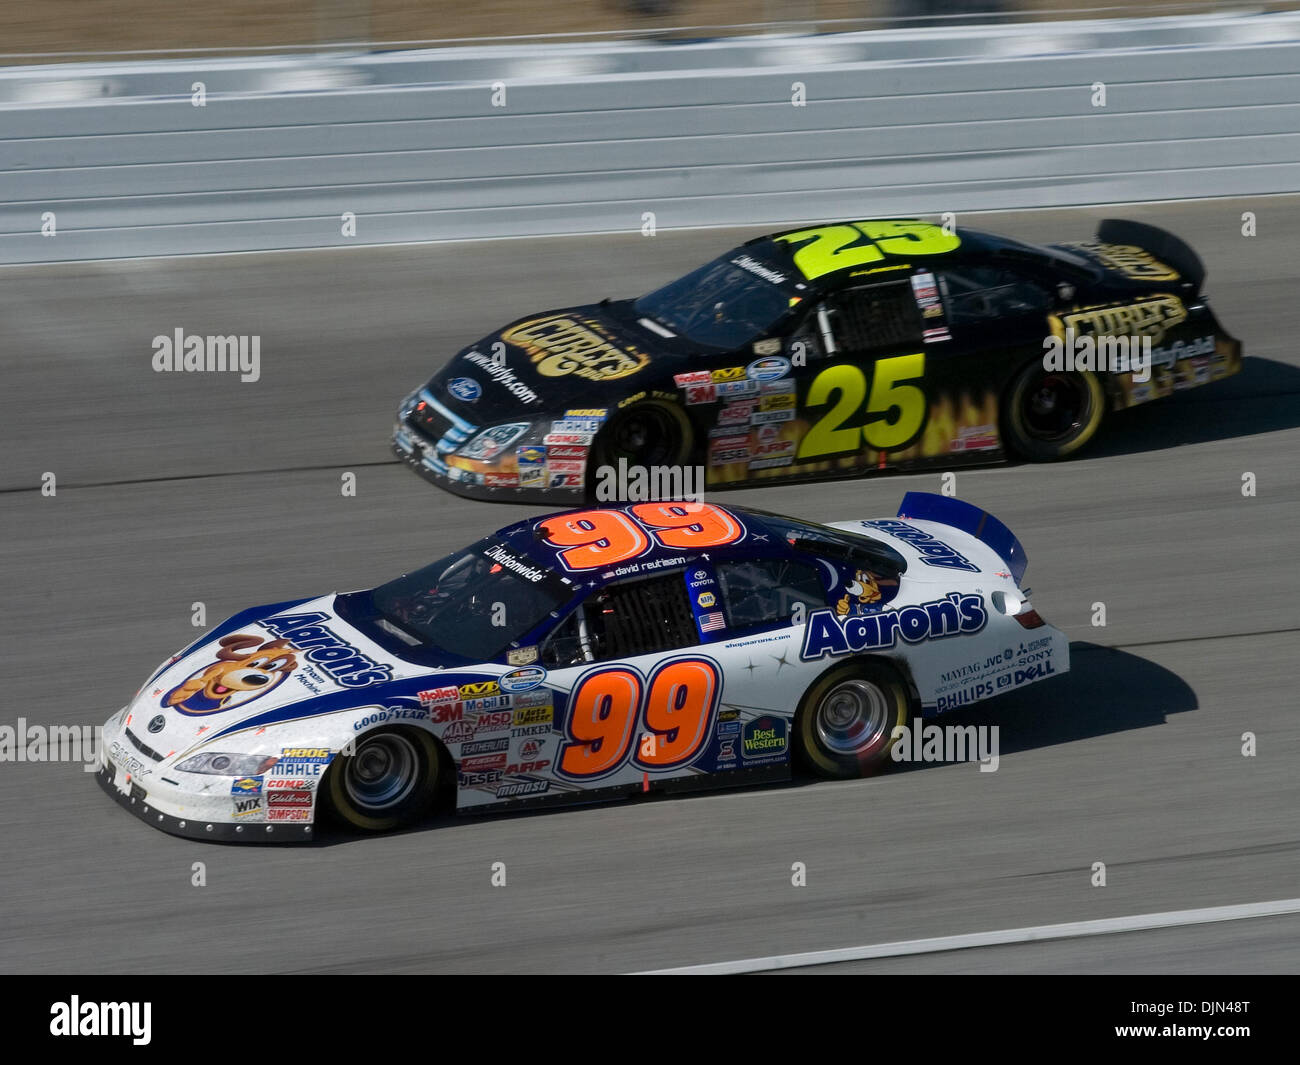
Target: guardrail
{"x":169,"y":158}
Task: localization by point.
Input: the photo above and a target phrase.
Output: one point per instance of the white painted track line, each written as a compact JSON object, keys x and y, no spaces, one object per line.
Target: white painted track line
{"x":1105,"y":926}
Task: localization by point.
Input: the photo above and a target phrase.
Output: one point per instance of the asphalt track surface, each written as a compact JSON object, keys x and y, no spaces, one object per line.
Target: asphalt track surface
{"x":175,"y":489}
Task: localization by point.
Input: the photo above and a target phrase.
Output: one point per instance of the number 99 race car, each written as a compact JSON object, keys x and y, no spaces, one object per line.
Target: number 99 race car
{"x":584,"y":655}
{"x":825,"y":352}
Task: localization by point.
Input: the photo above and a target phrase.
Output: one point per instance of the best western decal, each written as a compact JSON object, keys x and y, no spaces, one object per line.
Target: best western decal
{"x":347,"y":665}
{"x":953,"y":615}
{"x":935,"y":551}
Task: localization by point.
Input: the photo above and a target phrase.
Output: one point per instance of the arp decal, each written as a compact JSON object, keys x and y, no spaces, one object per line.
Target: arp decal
{"x":953,"y":615}
{"x":246,"y":668}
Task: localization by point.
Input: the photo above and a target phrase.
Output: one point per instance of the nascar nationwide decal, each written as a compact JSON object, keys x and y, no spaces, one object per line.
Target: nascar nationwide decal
{"x":348,"y":666}
{"x":936,"y":552}
{"x":953,"y":615}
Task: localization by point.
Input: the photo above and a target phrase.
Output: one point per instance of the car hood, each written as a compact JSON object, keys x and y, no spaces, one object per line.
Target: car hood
{"x":267,"y":666}
{"x":576,"y":357}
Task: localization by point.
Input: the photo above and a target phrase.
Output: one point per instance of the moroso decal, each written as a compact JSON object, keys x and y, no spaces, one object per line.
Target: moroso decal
{"x":953,"y":615}
{"x":934,"y":551}
{"x":347,"y":665}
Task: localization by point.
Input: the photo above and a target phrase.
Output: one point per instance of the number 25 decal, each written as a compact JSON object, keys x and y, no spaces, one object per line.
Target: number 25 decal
{"x":895,"y":410}
{"x":596,"y":538}
{"x":674,"y":711}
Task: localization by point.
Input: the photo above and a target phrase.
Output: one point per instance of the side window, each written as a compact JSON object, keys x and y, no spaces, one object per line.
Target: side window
{"x":875,"y":316}
{"x":765,"y":591}
{"x":985,"y":293}
{"x":621,"y":620}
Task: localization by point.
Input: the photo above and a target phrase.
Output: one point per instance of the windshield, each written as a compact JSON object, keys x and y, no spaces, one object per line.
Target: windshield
{"x":724,"y":304}
{"x":474,"y":603}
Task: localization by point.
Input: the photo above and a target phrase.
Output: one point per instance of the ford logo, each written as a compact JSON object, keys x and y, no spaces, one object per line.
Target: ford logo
{"x":522,"y":680}
{"x":769,"y":369}
{"x":465,"y":389}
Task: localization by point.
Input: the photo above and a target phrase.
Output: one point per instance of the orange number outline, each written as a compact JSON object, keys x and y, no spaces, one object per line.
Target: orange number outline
{"x":670,"y":674}
{"x":584,"y":746}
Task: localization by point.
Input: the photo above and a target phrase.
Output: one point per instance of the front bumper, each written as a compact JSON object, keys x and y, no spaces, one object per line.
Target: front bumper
{"x":183,"y":804}
{"x":134,"y":799}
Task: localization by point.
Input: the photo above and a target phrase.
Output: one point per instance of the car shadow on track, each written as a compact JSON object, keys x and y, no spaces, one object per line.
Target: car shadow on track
{"x":1262,"y":398}
{"x":1107,"y":690}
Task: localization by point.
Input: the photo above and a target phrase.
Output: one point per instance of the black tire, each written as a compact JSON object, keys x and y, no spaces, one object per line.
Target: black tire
{"x":1048,"y":415}
{"x":649,"y":433}
{"x":389,"y":781}
{"x":846,"y":720}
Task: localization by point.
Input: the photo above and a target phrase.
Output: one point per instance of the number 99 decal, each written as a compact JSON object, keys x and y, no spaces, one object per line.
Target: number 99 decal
{"x":614,"y":715}
{"x":895,"y":410}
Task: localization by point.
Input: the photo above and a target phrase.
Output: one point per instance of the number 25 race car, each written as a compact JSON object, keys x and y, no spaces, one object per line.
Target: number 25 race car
{"x":583,"y":655}
{"x":825,"y":352}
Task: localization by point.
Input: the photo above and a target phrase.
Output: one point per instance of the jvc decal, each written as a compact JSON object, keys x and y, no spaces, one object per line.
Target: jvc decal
{"x":953,"y":615}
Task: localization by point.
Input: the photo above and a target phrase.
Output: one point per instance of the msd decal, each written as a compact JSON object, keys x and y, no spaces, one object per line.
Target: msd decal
{"x":348,"y":666}
{"x":953,"y":615}
{"x":936,"y":552}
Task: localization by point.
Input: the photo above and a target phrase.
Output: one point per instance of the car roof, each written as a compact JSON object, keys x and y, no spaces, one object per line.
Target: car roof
{"x":762,"y":535}
{"x":974,"y":246}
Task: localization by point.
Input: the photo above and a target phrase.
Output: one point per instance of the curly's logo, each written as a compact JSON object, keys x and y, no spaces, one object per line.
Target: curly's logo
{"x":245,"y":668}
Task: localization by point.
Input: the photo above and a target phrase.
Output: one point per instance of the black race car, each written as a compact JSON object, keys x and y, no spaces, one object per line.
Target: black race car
{"x":825,"y":352}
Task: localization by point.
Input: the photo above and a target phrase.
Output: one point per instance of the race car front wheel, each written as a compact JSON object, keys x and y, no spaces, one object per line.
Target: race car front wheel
{"x":654,"y":433}
{"x":389,"y":780}
{"x":847,"y":719}
{"x":1049,"y":415}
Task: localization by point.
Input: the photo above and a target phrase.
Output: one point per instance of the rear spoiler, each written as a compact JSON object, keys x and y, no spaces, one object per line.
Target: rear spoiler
{"x":926,"y":506}
{"x":1160,"y":243}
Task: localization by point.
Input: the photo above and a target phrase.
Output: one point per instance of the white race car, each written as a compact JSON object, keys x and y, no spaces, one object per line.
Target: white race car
{"x":587,"y":654}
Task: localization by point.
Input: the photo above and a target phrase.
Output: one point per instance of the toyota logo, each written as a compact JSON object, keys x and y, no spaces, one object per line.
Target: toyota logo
{"x":157,"y":724}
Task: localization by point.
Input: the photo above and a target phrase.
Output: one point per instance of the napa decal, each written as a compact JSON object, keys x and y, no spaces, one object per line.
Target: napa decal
{"x":322,"y":646}
{"x":953,"y":615}
{"x":934,"y":551}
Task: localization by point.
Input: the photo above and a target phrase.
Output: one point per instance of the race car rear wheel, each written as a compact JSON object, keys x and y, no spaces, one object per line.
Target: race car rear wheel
{"x":1049,"y":415}
{"x":847,"y":718}
{"x":389,"y":780}
{"x":652,"y":433}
